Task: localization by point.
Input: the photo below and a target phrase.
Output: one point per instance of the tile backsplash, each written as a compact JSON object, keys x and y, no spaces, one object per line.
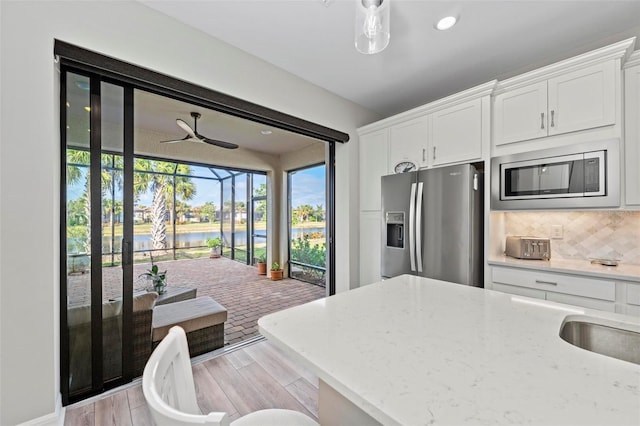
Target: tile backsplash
{"x":586,"y":234}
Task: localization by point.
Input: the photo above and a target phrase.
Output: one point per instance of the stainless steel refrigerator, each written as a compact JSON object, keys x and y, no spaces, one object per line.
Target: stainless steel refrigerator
{"x":433,"y":224}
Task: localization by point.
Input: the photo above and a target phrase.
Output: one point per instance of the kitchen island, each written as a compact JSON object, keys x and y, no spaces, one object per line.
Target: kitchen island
{"x":416,"y":351}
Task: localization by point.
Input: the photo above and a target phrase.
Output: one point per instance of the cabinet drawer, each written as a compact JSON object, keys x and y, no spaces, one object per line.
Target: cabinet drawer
{"x":633,"y":294}
{"x":520,"y":291}
{"x":558,"y":283}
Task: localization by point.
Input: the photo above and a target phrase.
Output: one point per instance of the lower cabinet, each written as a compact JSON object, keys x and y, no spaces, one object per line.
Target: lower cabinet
{"x":574,"y":290}
{"x":632,"y":299}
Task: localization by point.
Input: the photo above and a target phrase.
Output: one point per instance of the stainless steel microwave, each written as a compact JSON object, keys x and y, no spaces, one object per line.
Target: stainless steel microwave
{"x":577,"y":176}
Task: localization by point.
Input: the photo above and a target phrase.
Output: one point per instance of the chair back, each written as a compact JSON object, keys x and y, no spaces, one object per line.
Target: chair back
{"x":168,"y":386}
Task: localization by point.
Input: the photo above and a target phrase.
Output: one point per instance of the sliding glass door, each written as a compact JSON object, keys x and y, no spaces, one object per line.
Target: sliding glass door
{"x":96,"y":119}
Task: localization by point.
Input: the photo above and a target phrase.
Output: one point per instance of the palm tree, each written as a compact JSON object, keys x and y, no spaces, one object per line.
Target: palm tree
{"x":304,"y":211}
{"x":160,"y":177}
{"x":77,"y":160}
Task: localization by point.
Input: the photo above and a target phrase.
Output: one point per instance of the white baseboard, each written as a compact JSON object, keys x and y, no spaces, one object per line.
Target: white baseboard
{"x":54,"y":419}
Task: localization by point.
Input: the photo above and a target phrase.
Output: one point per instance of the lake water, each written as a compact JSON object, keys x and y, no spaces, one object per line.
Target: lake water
{"x":193,"y":239}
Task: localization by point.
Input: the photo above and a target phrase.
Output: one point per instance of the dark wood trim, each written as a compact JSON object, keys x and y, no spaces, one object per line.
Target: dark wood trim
{"x":331,"y":218}
{"x":170,"y":86}
{"x":95,"y":185}
{"x":127,"y":242}
{"x":64,"y":331}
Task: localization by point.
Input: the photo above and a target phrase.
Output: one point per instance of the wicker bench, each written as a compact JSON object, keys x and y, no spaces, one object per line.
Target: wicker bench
{"x":201,"y":318}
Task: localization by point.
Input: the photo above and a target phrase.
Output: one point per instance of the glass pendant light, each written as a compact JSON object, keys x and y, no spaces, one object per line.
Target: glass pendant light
{"x":372,"y":25}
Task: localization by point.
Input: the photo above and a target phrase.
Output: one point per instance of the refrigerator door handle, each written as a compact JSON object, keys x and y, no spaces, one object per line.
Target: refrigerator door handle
{"x":419,"y":227}
{"x":412,"y":223}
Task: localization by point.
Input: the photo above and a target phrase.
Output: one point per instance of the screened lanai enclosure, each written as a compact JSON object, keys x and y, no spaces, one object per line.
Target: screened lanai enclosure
{"x":179,"y":210}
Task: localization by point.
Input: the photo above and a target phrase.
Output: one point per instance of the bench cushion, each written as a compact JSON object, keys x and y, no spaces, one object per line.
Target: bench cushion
{"x":191,"y":315}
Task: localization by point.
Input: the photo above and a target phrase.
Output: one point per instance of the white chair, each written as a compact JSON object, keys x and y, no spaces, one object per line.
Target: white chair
{"x":167,"y":383}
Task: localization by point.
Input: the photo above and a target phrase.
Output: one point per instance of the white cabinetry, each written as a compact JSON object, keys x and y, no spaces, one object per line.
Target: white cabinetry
{"x":374,"y":148}
{"x":456,"y":133}
{"x":408,"y":142}
{"x":577,"y":100}
{"x":632,"y":299}
{"x":448,"y":135}
{"x":370,"y":247}
{"x":519,"y":114}
{"x":632,"y":130}
{"x":575,"y":290}
{"x":373,"y":165}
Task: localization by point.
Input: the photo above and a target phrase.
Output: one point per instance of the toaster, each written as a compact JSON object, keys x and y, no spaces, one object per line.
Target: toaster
{"x":528,"y":247}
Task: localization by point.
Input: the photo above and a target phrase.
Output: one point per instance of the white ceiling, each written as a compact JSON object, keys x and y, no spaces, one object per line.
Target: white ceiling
{"x":159,"y":113}
{"x":493,"y":39}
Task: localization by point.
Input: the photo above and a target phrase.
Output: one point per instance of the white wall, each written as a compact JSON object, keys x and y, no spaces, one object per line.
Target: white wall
{"x":29,"y":161}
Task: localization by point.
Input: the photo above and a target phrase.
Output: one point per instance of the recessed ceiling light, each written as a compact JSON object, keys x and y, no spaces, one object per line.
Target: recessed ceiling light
{"x":266,"y":132}
{"x":446,"y":23}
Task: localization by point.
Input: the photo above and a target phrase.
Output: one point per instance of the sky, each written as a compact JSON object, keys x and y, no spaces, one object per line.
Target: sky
{"x":308,"y":187}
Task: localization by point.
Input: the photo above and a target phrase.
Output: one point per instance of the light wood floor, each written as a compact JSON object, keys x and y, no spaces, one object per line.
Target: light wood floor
{"x":251,"y":378}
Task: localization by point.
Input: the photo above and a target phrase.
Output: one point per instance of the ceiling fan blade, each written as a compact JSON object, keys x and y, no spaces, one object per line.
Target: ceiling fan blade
{"x":222,"y":144}
{"x":184,"y":126}
{"x":186,"y":138}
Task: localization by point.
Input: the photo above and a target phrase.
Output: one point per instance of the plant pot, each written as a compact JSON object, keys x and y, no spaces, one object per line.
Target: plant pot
{"x":160,"y":287}
{"x":214,"y":252}
{"x":276,"y":275}
{"x":262,"y":268}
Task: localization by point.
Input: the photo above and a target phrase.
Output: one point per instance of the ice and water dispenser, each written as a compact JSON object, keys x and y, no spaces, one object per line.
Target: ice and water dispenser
{"x":395,"y":229}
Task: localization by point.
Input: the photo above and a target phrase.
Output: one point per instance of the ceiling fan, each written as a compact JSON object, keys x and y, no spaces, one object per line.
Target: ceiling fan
{"x":194,"y":136}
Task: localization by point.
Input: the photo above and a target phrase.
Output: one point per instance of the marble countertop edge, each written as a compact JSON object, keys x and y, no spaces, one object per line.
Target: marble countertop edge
{"x":623,"y":272}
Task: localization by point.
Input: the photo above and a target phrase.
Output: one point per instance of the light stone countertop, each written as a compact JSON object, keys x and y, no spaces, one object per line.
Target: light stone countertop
{"x":417,"y":351}
{"x":624,"y":271}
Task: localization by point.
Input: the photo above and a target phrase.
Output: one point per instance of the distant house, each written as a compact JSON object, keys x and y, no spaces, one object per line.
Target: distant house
{"x":141,"y":214}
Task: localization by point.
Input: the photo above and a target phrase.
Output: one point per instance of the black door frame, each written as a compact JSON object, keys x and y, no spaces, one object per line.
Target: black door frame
{"x":108,"y":69}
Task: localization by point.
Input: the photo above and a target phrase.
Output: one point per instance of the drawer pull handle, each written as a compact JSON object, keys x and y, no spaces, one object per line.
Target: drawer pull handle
{"x":546,"y":282}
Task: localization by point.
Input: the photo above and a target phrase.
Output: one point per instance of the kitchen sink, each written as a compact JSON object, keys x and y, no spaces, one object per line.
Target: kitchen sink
{"x":613,"y":339}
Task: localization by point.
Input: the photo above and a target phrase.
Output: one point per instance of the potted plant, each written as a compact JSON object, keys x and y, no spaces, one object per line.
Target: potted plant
{"x":159,"y":279}
{"x":261,"y":263}
{"x":276,"y":271}
{"x":214,"y":245}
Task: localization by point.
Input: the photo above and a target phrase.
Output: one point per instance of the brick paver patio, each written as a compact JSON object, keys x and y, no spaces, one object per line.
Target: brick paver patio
{"x":238,"y":287}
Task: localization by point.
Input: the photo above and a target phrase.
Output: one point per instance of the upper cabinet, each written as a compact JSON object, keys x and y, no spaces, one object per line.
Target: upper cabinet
{"x":578,"y":100}
{"x":582,"y":99}
{"x":632,"y":130}
{"x":576,"y":95}
{"x":451,"y":130}
{"x":456,"y":133}
{"x":408,"y":144}
{"x":519,"y":114}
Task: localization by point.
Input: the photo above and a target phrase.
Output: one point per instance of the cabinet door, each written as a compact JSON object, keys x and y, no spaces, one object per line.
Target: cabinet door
{"x":373,"y":165}
{"x":456,"y":133}
{"x":582,"y":99}
{"x":370,"y":247}
{"x":632,"y":135}
{"x":520,"y":114}
{"x":408,"y":142}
